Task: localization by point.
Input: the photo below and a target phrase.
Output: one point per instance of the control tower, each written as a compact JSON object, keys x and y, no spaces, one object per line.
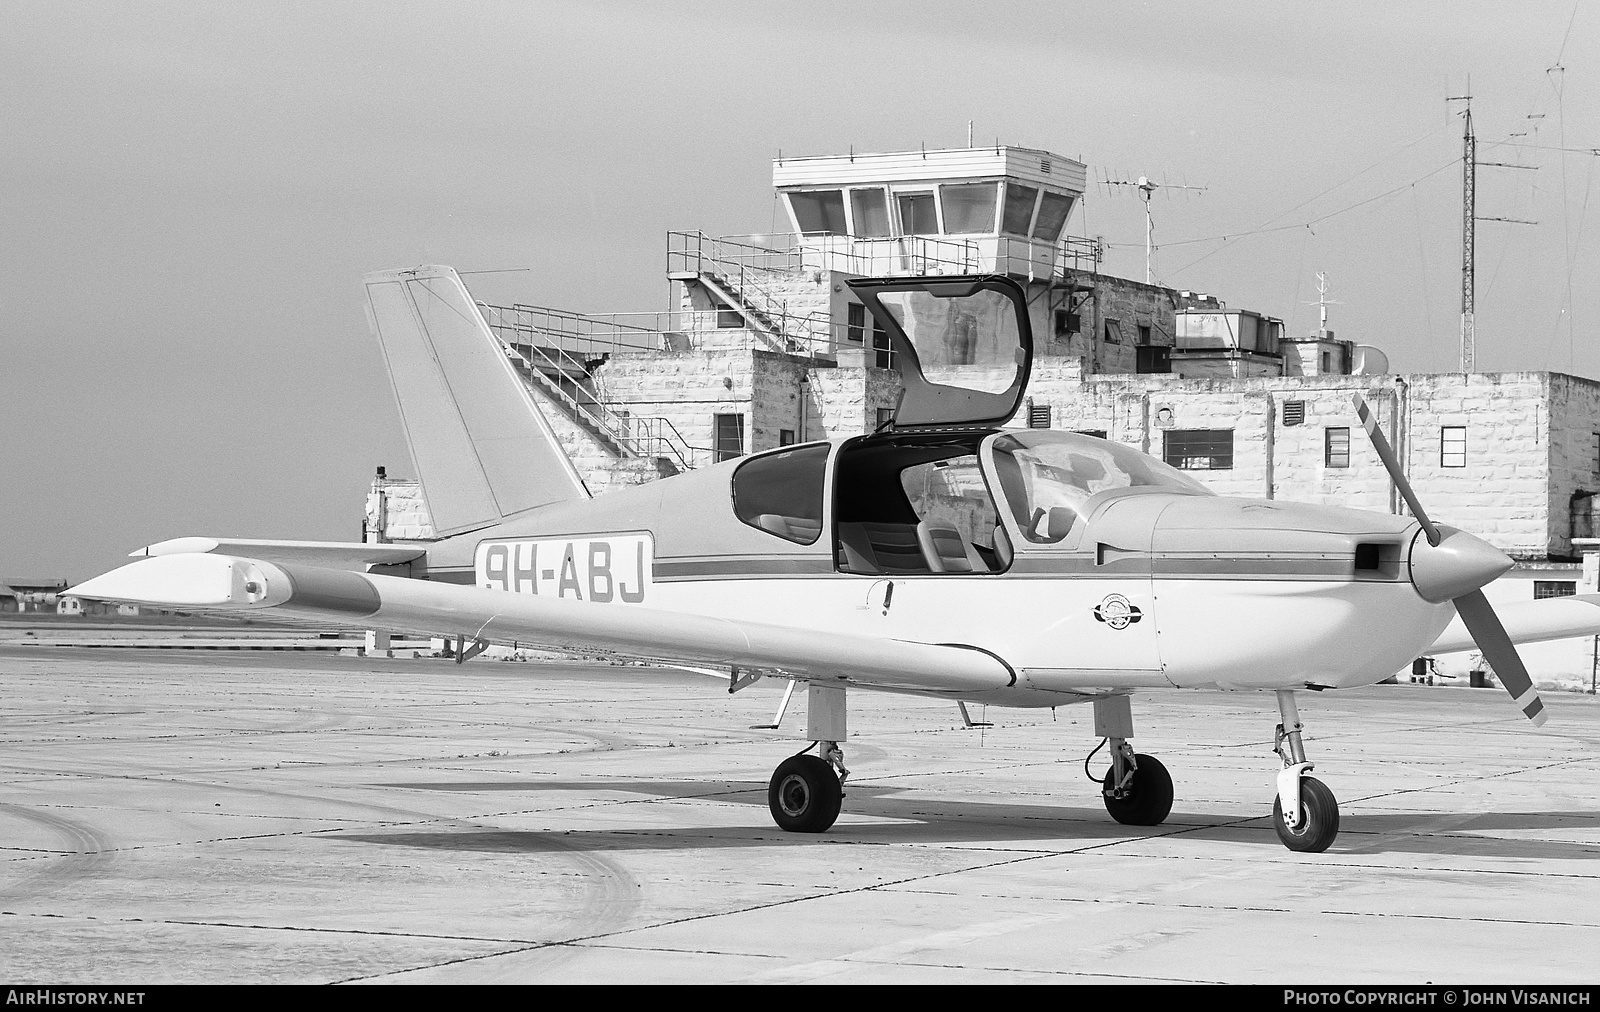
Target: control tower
{"x":999,"y":210}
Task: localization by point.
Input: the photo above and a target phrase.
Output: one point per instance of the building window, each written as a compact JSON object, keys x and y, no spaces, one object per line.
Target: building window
{"x":1152,"y":358}
{"x":729,"y":437}
{"x":969,"y":207}
{"x":1019,"y":208}
{"x":1554,"y":588}
{"x":918,"y":216}
{"x":1113,"y":332}
{"x":885,"y":417}
{"x":1053,"y":211}
{"x":871,"y":210}
{"x":819,"y":211}
{"x":1453,"y":446}
{"x":1038,"y":416}
{"x":855,"y":327}
{"x":1144,"y":334}
{"x":1327,"y":362}
{"x":1336,"y":447}
{"x":728,"y":318}
{"x":785,"y":437}
{"x":882,"y":348}
{"x":1594,"y":457}
{"x":1199,"y":449}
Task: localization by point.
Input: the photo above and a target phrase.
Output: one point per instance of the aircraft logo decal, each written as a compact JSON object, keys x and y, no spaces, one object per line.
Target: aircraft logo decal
{"x":1117,"y":612}
{"x":614,"y":568}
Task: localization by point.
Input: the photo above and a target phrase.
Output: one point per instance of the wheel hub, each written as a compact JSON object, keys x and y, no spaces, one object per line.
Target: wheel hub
{"x":794,"y":795}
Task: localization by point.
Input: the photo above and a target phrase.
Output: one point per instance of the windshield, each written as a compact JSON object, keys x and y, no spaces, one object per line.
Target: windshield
{"x":1047,"y":476}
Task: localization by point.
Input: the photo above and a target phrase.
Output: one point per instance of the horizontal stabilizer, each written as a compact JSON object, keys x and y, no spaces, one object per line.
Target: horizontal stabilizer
{"x":1553,"y":618}
{"x":343,"y":599}
{"x":330,"y":554}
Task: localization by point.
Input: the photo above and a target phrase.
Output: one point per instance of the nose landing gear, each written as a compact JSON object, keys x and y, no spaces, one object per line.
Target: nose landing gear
{"x":1305,"y":813}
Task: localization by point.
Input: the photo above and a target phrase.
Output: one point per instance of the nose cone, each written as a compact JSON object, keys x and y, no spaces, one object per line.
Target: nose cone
{"x":1459,"y":564}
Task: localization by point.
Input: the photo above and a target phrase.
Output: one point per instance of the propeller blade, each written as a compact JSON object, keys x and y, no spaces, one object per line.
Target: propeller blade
{"x":1474,"y":609}
{"x":1369,"y":421}
{"x":1501,"y":653}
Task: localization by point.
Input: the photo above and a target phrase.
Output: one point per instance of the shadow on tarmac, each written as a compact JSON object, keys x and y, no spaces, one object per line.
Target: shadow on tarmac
{"x":921,"y":819}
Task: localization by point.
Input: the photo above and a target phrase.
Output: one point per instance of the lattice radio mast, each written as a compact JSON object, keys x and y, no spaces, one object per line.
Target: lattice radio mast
{"x":1469,"y":220}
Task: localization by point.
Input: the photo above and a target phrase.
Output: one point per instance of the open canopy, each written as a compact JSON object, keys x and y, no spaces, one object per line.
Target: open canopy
{"x":962,"y":345}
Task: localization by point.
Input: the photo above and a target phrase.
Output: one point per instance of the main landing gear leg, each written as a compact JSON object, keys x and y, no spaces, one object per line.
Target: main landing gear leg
{"x":1305,"y":813}
{"x":807,"y":790}
{"x":1137,"y":789}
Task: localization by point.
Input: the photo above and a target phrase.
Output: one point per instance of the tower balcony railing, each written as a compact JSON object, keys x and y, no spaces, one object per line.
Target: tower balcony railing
{"x":749,"y":257}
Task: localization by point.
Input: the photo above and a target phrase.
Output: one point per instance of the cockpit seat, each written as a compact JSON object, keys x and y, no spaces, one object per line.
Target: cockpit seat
{"x":890,"y":549}
{"x":796,"y":529}
{"x":1002,"y":547}
{"x":946,"y":550}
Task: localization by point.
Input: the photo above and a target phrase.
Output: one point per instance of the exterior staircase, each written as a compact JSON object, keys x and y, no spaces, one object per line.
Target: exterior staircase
{"x":556,"y":353}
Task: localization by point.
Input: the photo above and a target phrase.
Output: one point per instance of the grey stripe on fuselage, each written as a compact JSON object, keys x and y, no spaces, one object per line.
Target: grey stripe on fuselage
{"x":1174,"y":567}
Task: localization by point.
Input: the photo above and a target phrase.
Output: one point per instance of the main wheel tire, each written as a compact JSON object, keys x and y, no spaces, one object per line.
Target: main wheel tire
{"x":804,"y":795}
{"x":1149,"y":799}
{"x":1319,"y":818}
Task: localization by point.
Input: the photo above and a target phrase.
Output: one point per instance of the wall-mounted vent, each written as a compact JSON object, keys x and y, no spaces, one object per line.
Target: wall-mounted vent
{"x":1038,"y":416}
{"x":1044,"y":166}
{"x":1294,"y":412}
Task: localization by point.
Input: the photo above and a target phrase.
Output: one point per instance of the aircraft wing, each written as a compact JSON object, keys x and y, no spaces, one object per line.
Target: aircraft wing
{"x":1554,"y":618}
{"x":210,"y":582}
{"x":331,"y":554}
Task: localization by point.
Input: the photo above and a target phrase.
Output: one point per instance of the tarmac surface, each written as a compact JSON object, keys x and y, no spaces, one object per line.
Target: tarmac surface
{"x":195,"y":816}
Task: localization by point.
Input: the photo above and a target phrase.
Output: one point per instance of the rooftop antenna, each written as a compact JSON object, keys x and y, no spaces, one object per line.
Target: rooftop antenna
{"x":1322,"y":304}
{"x":969,"y":133}
{"x":1146,"y":187}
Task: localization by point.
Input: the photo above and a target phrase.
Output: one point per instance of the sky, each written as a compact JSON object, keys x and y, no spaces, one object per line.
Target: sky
{"x":190,"y":194}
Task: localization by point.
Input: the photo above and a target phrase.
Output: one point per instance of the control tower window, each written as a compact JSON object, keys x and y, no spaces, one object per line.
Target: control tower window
{"x":1019,"y":208}
{"x":969,"y":207}
{"x":918,"y":216}
{"x":1053,"y":211}
{"x":871,"y":211}
{"x":819,"y":211}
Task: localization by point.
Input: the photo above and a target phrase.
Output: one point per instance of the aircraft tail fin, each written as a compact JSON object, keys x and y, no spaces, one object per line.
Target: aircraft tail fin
{"x":482,"y":449}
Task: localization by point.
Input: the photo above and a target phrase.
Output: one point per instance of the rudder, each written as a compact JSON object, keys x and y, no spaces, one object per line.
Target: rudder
{"x":482,"y":448}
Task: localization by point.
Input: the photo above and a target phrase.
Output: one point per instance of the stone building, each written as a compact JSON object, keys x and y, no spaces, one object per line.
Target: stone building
{"x":764,"y":345}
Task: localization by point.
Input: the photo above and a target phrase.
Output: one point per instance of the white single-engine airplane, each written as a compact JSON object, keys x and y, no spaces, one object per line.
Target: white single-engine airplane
{"x":941,"y":556}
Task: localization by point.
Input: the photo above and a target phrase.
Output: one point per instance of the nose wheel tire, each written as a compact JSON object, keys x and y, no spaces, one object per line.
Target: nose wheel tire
{"x":1148,"y":799}
{"x":804,"y":795}
{"x":1319,"y":818}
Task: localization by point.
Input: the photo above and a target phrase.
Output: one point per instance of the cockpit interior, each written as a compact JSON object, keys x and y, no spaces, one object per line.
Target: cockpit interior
{"x":944,"y":502}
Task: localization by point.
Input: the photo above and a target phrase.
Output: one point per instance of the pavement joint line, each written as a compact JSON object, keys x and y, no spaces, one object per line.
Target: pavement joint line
{"x":852,"y":960}
{"x":1328,"y":860}
{"x":788,"y":901}
{"x":1248,"y":909}
{"x":859,"y":961}
{"x":270,"y":927}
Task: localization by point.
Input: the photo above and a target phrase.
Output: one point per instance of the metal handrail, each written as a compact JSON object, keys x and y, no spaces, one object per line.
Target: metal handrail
{"x":789,"y":253}
{"x":615,"y":426}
